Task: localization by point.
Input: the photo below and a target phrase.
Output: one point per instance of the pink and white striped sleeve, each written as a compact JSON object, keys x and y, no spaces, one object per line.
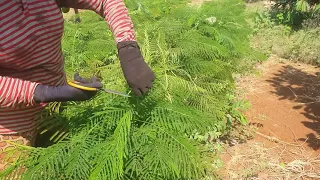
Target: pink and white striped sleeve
{"x":114,"y":11}
{"x":15,"y":92}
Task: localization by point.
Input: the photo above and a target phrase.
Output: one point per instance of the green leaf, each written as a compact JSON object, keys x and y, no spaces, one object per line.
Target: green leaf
{"x":302,"y":6}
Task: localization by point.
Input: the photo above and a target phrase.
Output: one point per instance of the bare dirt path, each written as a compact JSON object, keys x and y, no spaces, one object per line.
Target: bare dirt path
{"x":285,"y":102}
{"x":285,"y":116}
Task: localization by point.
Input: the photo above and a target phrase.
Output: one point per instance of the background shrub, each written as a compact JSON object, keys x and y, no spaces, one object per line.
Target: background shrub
{"x":283,"y":39}
{"x":295,"y":12}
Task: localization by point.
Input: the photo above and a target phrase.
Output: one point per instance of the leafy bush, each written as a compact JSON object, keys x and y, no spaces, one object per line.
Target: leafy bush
{"x":193,"y":53}
{"x":294,"y":12}
{"x":272,"y":38}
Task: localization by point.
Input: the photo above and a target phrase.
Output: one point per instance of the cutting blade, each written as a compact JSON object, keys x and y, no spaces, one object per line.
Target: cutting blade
{"x":115,"y":92}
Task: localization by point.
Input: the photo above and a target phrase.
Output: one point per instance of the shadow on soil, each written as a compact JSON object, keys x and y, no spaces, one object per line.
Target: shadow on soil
{"x":304,"y":88}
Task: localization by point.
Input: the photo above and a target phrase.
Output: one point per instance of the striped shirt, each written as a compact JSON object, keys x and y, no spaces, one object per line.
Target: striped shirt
{"x":30,"y":52}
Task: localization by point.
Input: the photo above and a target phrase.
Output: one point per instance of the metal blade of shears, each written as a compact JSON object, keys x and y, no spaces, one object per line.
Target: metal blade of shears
{"x":77,"y":85}
{"x":115,"y":92}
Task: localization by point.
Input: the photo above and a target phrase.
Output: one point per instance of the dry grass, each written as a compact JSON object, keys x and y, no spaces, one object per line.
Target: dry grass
{"x":255,"y":161}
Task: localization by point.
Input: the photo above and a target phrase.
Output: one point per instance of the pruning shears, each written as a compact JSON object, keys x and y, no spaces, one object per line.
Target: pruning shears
{"x":76,"y":84}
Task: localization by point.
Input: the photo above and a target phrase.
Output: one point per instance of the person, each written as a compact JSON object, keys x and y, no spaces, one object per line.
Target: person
{"x":32,"y":64}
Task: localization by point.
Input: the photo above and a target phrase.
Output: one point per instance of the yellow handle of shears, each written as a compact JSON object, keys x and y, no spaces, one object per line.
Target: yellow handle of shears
{"x":76,"y":85}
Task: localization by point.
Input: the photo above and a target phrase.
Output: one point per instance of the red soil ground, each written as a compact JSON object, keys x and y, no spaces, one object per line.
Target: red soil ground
{"x":285,"y":102}
{"x":285,"y":111}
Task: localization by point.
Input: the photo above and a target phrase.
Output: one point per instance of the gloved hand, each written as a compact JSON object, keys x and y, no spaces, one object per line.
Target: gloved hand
{"x":136,"y":71}
{"x":46,"y":94}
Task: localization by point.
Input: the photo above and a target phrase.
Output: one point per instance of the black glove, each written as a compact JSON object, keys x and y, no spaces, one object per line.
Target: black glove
{"x":64,"y":93}
{"x":136,"y":71}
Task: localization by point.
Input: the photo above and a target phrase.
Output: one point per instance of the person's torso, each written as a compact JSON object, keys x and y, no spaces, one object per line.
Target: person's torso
{"x":30,"y":40}
{"x":30,"y":49}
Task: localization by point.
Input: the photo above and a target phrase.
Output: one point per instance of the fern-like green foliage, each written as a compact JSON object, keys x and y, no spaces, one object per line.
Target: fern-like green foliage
{"x":193,"y":53}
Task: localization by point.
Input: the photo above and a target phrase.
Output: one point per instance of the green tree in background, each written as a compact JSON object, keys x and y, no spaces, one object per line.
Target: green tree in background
{"x":294,"y":12}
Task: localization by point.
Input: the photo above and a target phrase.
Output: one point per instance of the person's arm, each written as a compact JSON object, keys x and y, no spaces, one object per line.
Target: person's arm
{"x":136,"y":71}
{"x":15,"y":92}
{"x":114,"y":12}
